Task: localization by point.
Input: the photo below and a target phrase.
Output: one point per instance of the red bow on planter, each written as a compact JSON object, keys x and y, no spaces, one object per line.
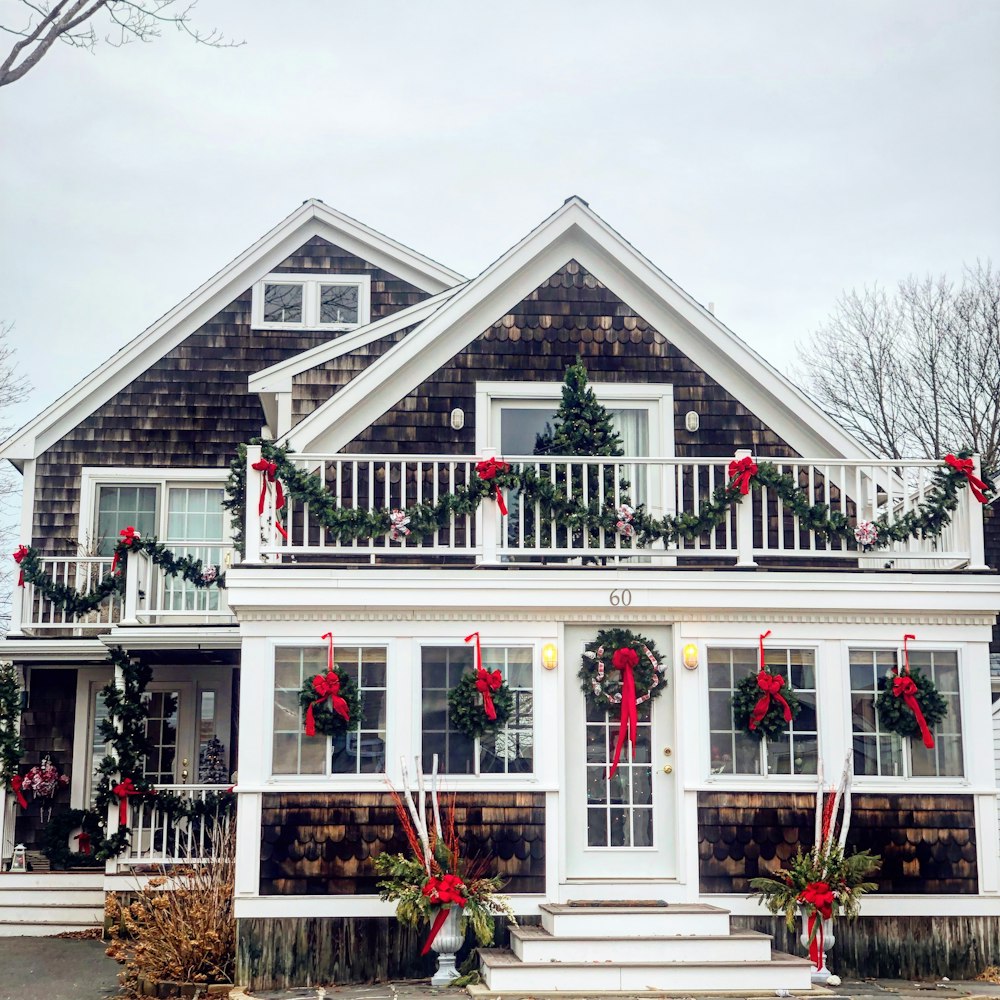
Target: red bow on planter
{"x":771,"y":685}
{"x":487,"y":681}
{"x":741,"y":472}
{"x":489,"y":469}
{"x":625,"y":660}
{"x":22,"y":551}
{"x":442,"y":891}
{"x":966,"y":466}
{"x":327,"y":686}
{"x":84,"y":839}
{"x":819,"y":896}
{"x":128,"y":536}
{"x":16,"y":783}
{"x":122,"y":792}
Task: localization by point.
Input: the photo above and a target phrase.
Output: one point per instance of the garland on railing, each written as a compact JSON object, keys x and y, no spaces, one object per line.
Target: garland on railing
{"x":75,"y":604}
{"x":350,"y":524}
{"x":11,"y":745}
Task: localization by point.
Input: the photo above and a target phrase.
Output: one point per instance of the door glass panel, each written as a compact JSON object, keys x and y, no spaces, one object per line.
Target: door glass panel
{"x":161,"y":731}
{"x":619,"y":809}
{"x":119,"y":507}
{"x":98,"y":746}
{"x":195,"y":529}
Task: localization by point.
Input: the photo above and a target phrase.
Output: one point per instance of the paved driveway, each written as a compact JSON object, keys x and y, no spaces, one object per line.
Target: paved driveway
{"x":37,"y":968}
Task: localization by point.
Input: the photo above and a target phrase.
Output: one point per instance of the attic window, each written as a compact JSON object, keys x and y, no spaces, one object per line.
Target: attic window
{"x":311,"y":302}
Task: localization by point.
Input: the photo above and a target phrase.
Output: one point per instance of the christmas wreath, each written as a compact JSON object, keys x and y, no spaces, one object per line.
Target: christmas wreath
{"x":481,"y":702}
{"x":603,"y":686}
{"x":909,"y":704}
{"x":332,"y":701}
{"x":764,"y":704}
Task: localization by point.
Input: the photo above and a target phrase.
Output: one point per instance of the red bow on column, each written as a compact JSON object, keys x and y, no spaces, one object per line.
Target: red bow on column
{"x":741,"y":472}
{"x":270,"y":475}
{"x":771,"y":685}
{"x":819,"y":896}
{"x":966,"y":466}
{"x":122,"y":792}
{"x":16,"y":784}
{"x":84,"y":839}
{"x":443,"y":892}
{"x":128,"y":536}
{"x":489,"y":469}
{"x":487,"y":681}
{"x":625,"y":660}
{"x":22,"y":551}
{"x":327,"y":686}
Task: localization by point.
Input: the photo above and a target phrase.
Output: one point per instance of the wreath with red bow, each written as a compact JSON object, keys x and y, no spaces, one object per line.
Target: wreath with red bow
{"x":895,"y":704}
{"x":601,"y":678}
{"x":467,"y":704}
{"x":332,"y":701}
{"x":761,"y":700}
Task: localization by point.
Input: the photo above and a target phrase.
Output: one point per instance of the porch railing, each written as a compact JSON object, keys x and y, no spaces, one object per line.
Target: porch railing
{"x":759,"y":529}
{"x":160,"y":838}
{"x":81,"y":573}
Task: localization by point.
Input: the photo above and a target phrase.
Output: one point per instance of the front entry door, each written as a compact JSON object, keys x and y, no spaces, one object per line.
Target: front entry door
{"x":621,"y":828}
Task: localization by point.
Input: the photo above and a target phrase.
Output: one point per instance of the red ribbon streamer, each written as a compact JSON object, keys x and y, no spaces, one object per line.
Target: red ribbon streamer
{"x":966,"y":466}
{"x":771,"y":685}
{"x":22,"y":551}
{"x":327,"y":686}
{"x":270,"y":475}
{"x":122,"y":792}
{"x":906,"y":688}
{"x":819,"y":896}
{"x":443,"y":892}
{"x":741,"y":472}
{"x":128,"y":536}
{"x":625,"y":660}
{"x":487,"y":681}
{"x":84,"y":839}
{"x":16,"y":783}
{"x":489,"y":469}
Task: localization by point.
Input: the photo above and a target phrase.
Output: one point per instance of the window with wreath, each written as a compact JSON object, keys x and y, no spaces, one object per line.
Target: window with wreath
{"x":736,"y":752}
{"x":886,"y":754}
{"x":358,"y":751}
{"x":510,"y":750}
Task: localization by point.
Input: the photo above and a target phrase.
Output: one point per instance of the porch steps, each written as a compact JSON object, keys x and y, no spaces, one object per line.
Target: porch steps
{"x":609,"y":949}
{"x":39,"y":905}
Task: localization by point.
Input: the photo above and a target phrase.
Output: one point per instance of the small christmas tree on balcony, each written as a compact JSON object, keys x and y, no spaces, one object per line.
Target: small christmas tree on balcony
{"x":212,"y":768}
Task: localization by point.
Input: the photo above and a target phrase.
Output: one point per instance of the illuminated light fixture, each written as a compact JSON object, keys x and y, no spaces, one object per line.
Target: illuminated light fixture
{"x":690,"y":656}
{"x":549,"y":656}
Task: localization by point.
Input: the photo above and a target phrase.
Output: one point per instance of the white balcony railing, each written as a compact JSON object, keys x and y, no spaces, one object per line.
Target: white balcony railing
{"x":159,"y":839}
{"x":759,"y":529}
{"x":80,"y":573}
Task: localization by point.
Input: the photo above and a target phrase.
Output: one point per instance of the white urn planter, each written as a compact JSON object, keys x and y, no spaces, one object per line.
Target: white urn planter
{"x":824,"y":940}
{"x":449,"y":939}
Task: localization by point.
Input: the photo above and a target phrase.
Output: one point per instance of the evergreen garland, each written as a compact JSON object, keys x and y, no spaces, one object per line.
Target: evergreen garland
{"x":895,"y":716}
{"x":650,"y":672}
{"x":55,"y":838}
{"x":747,"y":693}
{"x":327,"y":721}
{"x":11,"y":745}
{"x":465,"y":707}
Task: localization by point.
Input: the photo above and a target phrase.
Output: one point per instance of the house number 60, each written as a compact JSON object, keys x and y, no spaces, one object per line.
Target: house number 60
{"x":620,"y":597}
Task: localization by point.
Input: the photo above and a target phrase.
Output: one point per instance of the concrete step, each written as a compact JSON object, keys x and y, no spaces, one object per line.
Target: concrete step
{"x":503,"y":971}
{"x":535,"y":944}
{"x":565,"y":920}
{"x":56,"y":897}
{"x":40,"y":929}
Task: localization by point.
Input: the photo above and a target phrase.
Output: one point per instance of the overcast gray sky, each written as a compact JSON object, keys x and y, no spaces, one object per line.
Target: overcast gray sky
{"x":765,"y":155}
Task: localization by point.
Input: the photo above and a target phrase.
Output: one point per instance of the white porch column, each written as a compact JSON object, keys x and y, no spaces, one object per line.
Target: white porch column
{"x":251,"y":520}
{"x":111,"y":865}
{"x":974,"y":513}
{"x":131,"y":608}
{"x":487,"y":521}
{"x":8,"y":801}
{"x":744,"y":522}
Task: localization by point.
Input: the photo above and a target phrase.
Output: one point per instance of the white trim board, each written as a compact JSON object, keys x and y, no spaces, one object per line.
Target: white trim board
{"x":312,"y":219}
{"x":574,"y":232}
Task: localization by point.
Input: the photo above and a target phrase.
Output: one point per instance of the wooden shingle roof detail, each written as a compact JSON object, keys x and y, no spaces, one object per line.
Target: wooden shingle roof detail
{"x":313,"y":220}
{"x":575,"y":233}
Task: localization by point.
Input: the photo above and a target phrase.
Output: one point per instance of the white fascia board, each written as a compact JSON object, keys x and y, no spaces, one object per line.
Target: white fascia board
{"x":313,"y":218}
{"x":278,"y":378}
{"x":575,"y":232}
{"x":53,"y":650}
{"x":175,"y":637}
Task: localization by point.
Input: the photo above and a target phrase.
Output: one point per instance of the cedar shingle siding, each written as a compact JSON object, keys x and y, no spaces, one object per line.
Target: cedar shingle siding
{"x":191,"y":408}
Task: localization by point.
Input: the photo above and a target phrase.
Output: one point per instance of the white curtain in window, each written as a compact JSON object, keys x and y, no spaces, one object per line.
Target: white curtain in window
{"x":633,"y":425}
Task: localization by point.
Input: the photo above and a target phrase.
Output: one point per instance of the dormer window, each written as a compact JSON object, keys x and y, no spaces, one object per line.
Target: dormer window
{"x":311,"y":302}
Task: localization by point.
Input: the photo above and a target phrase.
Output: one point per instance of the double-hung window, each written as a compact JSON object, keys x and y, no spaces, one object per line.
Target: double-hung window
{"x":311,"y":302}
{"x":881,"y":753}
{"x":734,"y":751}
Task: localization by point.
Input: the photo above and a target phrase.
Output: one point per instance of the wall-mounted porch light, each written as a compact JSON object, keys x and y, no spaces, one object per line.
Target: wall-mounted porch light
{"x":550,"y":656}
{"x":690,"y":656}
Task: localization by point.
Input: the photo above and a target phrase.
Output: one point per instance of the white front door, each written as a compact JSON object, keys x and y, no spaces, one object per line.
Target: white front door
{"x":621,"y":828}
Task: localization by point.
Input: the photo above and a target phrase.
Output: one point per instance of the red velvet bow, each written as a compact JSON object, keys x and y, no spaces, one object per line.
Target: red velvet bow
{"x":487,"y":681}
{"x":489,"y":469}
{"x":270,"y":475}
{"x":84,"y":839}
{"x":819,"y":896}
{"x":625,"y":660}
{"x":327,"y":686}
{"x":128,"y":536}
{"x":771,"y":685}
{"x":906,"y":688}
{"x":442,"y":891}
{"x":966,"y":466}
{"x":16,"y":784}
{"x":122,"y":792}
{"x":742,"y":471}
{"x":22,"y":551}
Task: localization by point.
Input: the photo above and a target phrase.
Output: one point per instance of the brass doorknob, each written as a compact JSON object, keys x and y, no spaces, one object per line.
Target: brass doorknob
{"x":667,"y":751}
{"x":667,"y":769}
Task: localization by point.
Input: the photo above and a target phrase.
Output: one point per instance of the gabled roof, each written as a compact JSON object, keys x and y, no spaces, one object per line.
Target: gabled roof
{"x":311,"y":219}
{"x":575,"y":232}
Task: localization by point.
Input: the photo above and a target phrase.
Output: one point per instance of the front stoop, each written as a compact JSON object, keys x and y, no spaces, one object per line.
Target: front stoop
{"x":604,"y":950}
{"x":43,"y":904}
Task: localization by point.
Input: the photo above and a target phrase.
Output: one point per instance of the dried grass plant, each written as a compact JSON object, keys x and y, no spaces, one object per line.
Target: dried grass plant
{"x":180,"y":927}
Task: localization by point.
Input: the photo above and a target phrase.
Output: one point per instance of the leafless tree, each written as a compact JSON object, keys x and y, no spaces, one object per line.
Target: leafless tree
{"x":915,"y":372}
{"x":85,"y":23}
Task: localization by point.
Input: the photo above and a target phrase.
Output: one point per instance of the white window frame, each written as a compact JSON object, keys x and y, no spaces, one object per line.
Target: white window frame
{"x":907,"y":781}
{"x":657,"y":397}
{"x":311,"y":283}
